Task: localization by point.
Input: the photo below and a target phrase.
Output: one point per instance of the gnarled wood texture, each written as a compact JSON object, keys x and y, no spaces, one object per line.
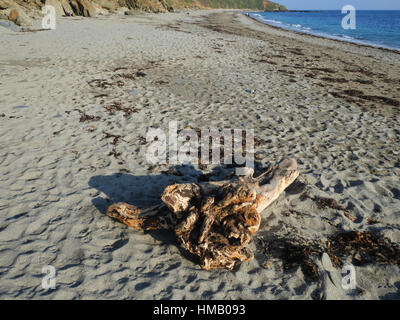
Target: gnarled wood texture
{"x":213,"y":220}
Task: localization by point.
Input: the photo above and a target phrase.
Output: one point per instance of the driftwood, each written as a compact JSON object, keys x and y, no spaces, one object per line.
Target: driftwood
{"x":213,"y":220}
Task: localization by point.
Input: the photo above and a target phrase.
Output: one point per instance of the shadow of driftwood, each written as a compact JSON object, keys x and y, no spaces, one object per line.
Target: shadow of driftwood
{"x":144,"y":191}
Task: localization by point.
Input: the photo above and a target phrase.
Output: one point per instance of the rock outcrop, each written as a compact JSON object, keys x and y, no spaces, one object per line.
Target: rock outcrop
{"x":66,"y":7}
{"x":57,"y":6}
{"x":18,"y":16}
{"x":23,"y":12}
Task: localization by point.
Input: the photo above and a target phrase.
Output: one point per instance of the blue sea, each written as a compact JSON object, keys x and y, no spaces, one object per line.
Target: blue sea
{"x":377,"y":28}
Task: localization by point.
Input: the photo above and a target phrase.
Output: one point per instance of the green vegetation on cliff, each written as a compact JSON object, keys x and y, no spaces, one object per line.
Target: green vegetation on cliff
{"x":243,"y":4}
{"x":223,"y":4}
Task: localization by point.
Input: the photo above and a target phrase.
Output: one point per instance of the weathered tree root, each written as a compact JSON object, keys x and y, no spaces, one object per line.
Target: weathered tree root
{"x":213,"y":220}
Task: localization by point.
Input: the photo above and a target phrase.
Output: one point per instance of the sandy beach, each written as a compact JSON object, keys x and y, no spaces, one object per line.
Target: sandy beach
{"x":77,"y":102}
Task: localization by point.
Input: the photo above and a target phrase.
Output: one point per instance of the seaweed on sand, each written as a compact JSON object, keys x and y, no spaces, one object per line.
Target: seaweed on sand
{"x":324,"y":203}
{"x":294,"y":252}
{"x":363,"y":247}
{"x":117,"y":106}
{"x":115,"y":137}
{"x":86,"y":118}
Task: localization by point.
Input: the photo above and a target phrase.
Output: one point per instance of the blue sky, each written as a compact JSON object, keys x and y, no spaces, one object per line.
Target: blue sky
{"x":338,"y":4}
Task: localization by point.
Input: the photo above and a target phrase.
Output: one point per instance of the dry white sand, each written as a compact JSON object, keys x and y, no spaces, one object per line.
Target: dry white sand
{"x":57,"y":175}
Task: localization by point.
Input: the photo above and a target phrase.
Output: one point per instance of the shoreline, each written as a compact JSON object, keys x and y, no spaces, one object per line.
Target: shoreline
{"x":394,"y":50}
